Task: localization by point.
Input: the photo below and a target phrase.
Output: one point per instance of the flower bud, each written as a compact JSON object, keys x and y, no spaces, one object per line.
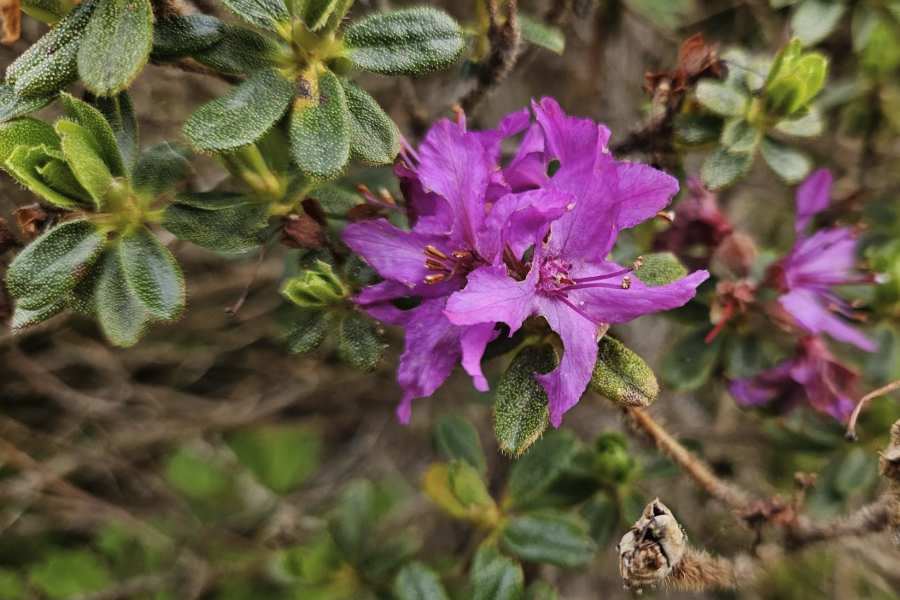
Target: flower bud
{"x":317,"y":286}
{"x":738,"y":252}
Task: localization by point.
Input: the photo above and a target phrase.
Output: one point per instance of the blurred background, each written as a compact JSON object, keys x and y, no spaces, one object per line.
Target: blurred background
{"x":207,"y":461}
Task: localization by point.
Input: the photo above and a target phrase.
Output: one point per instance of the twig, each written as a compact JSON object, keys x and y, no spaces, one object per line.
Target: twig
{"x":232,"y":310}
{"x":189,"y":66}
{"x":689,"y":463}
{"x":502,"y":54}
{"x":851,"y":426}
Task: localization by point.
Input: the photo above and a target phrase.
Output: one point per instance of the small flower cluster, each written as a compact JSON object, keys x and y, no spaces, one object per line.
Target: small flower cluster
{"x":491,"y":244}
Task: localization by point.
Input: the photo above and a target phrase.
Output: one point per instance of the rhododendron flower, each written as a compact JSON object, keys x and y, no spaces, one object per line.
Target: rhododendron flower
{"x":815,"y":374}
{"x":818,"y":263}
{"x":568,"y":280}
{"x":463,"y":213}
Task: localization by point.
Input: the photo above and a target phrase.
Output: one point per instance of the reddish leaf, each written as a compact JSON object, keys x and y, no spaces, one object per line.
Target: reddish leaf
{"x":302,"y":231}
{"x":366,"y":212}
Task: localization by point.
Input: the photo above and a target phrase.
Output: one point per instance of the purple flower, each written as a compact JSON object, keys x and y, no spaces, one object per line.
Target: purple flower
{"x":463,"y":213}
{"x":816,"y":264}
{"x":815,"y":374}
{"x":568,"y":280}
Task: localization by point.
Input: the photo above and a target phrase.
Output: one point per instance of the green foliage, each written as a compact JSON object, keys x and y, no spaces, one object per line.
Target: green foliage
{"x":180,"y":36}
{"x":416,"y":581}
{"x":457,"y":439}
{"x":660,"y":268}
{"x":537,"y":33}
{"x":549,"y":536}
{"x":320,"y":128}
{"x":281,"y":457}
{"x":227,"y":222}
{"x":13,"y":105}
{"x":160,"y":169}
{"x":116,"y":45}
{"x":622,"y":376}
{"x":495,"y":577}
{"x":66,"y":573}
{"x":153,"y":276}
{"x":122,"y":316}
{"x":412,"y":41}
{"x":266,"y":14}
{"x":535,"y":471}
{"x":307,"y":329}
{"x":458,"y":490}
{"x":83,"y":155}
{"x":814,"y":20}
{"x":520,"y":409}
{"x":359,"y":343}
{"x":373,"y":136}
{"x":691,"y":361}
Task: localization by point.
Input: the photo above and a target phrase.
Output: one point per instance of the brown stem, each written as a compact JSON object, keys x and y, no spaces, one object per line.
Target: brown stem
{"x":501,"y":58}
{"x":851,"y":426}
{"x":687,"y":460}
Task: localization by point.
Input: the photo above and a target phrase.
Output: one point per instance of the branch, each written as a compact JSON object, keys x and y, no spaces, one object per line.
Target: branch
{"x":687,"y":460}
{"x":502,"y":54}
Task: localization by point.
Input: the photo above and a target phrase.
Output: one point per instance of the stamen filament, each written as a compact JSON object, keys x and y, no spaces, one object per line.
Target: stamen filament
{"x":587,"y":286}
{"x":566,"y":301}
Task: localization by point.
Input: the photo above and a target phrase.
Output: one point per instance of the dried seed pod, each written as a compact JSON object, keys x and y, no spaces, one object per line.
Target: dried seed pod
{"x":653,"y":547}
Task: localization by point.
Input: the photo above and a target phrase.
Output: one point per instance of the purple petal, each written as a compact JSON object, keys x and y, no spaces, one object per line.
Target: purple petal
{"x":528,"y":169}
{"x":765,"y":387}
{"x":491,"y":296}
{"x":521,"y":220}
{"x":643,"y":192}
{"x":618,"y":305}
{"x":432,"y":350}
{"x":812,"y":197}
{"x":473,"y":341}
{"x":809,"y":314}
{"x":455,"y":165}
{"x":828,"y":257}
{"x":814,"y":378}
{"x":565,"y":384}
{"x":420,"y":204}
{"x":376,"y":301}
{"x":510,"y":125}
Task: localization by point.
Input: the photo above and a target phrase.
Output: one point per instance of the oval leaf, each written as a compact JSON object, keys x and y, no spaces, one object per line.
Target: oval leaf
{"x":93,"y":120}
{"x":224,"y":222}
{"x":415,"y":581}
{"x":83,"y":154}
{"x":413,"y":41}
{"x":551,"y":537}
{"x":520,"y":410}
{"x":307,"y":330}
{"x":622,"y":376}
{"x":118,"y":111}
{"x":51,"y":265}
{"x":122,"y":316}
{"x":116,"y":45}
{"x":23,"y":318}
{"x":359,"y":343}
{"x":790,"y":164}
{"x":535,"y":471}
{"x":241,"y":116}
{"x":26,"y":132}
{"x":180,"y":36}
{"x":153,"y":276}
{"x":239,"y":51}
{"x":12,"y":105}
{"x":457,"y":439}
{"x":320,"y":129}
{"x":267,"y":14}
{"x":160,"y":169}
{"x":722,"y":169}
{"x":373,"y":136}
{"x":495,"y":577}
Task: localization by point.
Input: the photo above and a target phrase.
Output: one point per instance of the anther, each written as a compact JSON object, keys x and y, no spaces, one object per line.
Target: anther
{"x":433,"y":265}
{"x":436,"y":278}
{"x":666,"y":215}
{"x":626,"y":282}
{"x":461,"y":254}
{"x":386,"y":196}
{"x":433,"y":252}
{"x":638,"y":263}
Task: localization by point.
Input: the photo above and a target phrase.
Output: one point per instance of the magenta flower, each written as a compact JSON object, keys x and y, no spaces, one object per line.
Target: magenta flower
{"x":815,"y":374}
{"x":568,"y":280}
{"x":463,"y":213}
{"x":818,"y":263}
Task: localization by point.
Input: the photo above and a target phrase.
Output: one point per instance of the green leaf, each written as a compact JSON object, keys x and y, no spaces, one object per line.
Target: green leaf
{"x":315,"y":13}
{"x":239,"y":51}
{"x":495,"y":577}
{"x":691,"y":361}
{"x":545,"y":36}
{"x":373,"y":136}
{"x":23,"y":318}
{"x":722,"y":169}
{"x":384,"y":559}
{"x":160,"y":169}
{"x":85,"y":159}
{"x":622,"y":376}
{"x":520,"y":409}
{"x":549,"y":536}
{"x":12,"y":105}
{"x":116,"y":45}
{"x":790,"y":164}
{"x":267,"y":14}
{"x":541,"y":590}
{"x":307,"y":329}
{"x":814,"y":20}
{"x":457,"y":439}
{"x":50,"y":64}
{"x":92,"y":119}
{"x":182,"y":35}
{"x":122,"y":316}
{"x":340,"y":10}
{"x":536,"y":470}
{"x":65,"y":573}
{"x":784,"y":96}
{"x":808,"y":125}
{"x":412,"y":41}
{"x":47,"y":11}
{"x":26,"y":132}
{"x":225,"y":222}
{"x":697,"y":130}
{"x":241,"y":116}
{"x":12,"y":585}
{"x":661,"y":268}
{"x":81,"y":298}
{"x":721,"y":99}
{"x":52,"y":264}
{"x":739,"y":137}
{"x":359,"y":343}
{"x":459,"y":491}
{"x":281,"y":457}
{"x":320,"y":129}
{"x":857,"y":472}
{"x":153,"y":275}
{"x":119,"y":114}
{"x":415,"y":581}
{"x":602,"y":515}
{"x":353,"y":521}
{"x":48,"y":176}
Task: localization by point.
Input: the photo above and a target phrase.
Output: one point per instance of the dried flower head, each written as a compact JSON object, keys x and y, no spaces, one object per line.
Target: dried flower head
{"x":652,"y":548}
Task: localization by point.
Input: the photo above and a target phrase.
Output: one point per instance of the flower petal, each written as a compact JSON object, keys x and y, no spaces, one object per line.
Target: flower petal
{"x":432,"y":350}
{"x":812,"y":197}
{"x":473,"y":340}
{"x":510,"y":125}
{"x":566,"y":383}
{"x":455,"y":165}
{"x":766,"y":387}
{"x":421,"y":204}
{"x":376,"y":301}
{"x":521,"y":220}
{"x":809,"y":314}
{"x":491,"y":296}
{"x":643,"y":192}
{"x":619,"y":305}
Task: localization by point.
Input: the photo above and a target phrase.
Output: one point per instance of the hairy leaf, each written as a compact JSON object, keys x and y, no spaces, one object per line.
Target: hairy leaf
{"x":549,"y":536}
{"x":92,"y":119}
{"x":12,"y":105}
{"x":320,"y":129}
{"x":122,"y":316}
{"x":160,"y":169}
{"x":722,"y":169}
{"x":152,"y":273}
{"x":226,"y":222}
{"x":182,"y":35}
{"x":790,"y":164}
{"x":267,"y":14}
{"x":83,"y":154}
{"x":116,"y":45}
{"x":415,"y":581}
{"x":622,"y":376}
{"x":359,"y":343}
{"x":373,"y":136}
{"x":457,"y":439}
{"x":239,"y":51}
{"x":118,"y":111}
{"x":520,"y":410}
